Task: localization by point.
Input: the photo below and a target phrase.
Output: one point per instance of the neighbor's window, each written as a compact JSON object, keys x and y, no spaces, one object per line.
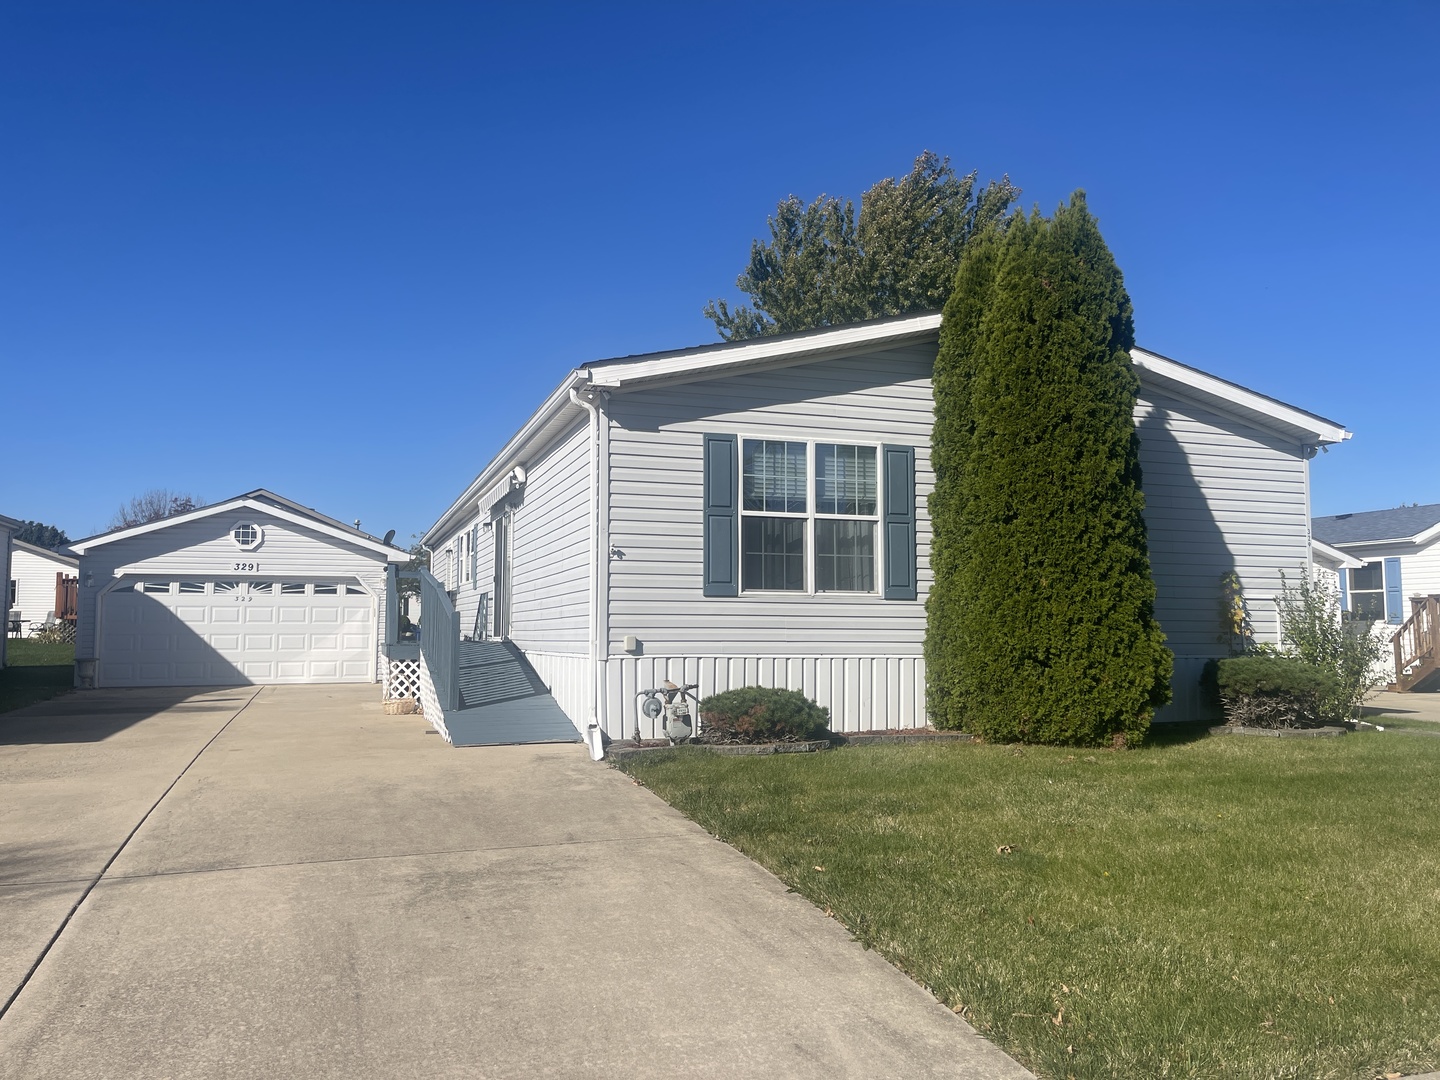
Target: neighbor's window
{"x":1367,"y":592}
{"x":782,"y":533}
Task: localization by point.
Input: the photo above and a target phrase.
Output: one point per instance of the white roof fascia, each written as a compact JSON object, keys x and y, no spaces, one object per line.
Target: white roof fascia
{"x":1392,"y":541}
{"x":1334,"y":554}
{"x":1428,"y":535}
{"x":1323,"y":431}
{"x":392,"y":554}
{"x":45,"y":553}
{"x":553,"y":406}
{"x":788,"y":349}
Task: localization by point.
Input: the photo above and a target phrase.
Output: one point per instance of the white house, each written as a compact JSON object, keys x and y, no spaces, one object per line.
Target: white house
{"x":33,"y":570}
{"x":755,"y":513}
{"x":254,"y":589}
{"x":1393,"y":580}
{"x":8,"y":527}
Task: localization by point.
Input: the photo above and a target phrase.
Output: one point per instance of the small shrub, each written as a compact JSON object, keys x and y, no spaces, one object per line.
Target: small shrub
{"x":1315,"y":632}
{"x":762,"y":714}
{"x":1273,"y":691}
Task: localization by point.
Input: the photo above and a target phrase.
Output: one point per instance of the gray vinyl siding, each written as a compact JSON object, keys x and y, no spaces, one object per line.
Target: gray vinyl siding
{"x":1219,"y":496}
{"x":549,"y":550}
{"x":656,"y":507}
{"x":202,"y":548}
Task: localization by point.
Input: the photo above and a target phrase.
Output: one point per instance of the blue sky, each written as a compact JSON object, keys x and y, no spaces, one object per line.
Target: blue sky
{"x":342,"y":250}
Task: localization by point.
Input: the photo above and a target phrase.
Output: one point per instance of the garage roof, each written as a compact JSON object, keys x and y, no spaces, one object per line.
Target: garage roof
{"x":262,"y":500}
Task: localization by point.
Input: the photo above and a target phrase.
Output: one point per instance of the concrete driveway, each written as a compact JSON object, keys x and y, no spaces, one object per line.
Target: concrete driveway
{"x":285,"y":882}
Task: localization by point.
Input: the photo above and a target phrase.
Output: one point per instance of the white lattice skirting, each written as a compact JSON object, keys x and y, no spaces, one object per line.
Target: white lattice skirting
{"x":402,"y":679}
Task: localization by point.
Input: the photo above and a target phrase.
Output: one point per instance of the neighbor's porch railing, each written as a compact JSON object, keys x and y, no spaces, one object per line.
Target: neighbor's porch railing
{"x":1414,"y":642}
{"x":440,"y":640}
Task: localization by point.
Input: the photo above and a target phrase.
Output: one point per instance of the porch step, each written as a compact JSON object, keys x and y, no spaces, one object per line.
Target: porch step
{"x":495,"y":671}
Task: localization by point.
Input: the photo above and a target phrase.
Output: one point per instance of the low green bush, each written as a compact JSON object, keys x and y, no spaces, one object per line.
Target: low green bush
{"x":754,"y":714}
{"x":1273,"y":691}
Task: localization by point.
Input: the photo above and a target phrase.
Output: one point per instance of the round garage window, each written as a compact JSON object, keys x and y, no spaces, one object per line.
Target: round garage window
{"x":246,"y":535}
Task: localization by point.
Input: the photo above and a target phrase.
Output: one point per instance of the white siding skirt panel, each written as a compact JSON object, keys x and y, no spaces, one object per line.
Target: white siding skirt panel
{"x":164,"y":639}
{"x":568,"y":677}
{"x":863,"y":693}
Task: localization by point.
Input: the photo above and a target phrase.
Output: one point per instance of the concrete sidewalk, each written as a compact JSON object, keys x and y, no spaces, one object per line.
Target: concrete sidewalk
{"x":331,"y":892}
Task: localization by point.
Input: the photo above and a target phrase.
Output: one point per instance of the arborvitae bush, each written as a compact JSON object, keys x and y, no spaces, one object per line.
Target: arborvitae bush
{"x":1041,"y":618}
{"x":761,"y":714}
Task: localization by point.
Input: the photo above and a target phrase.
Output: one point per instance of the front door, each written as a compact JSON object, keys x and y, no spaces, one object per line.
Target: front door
{"x":502,"y":576}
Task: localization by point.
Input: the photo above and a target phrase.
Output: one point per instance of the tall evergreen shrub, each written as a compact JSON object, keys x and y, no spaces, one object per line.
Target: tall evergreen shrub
{"x":1041,"y":618}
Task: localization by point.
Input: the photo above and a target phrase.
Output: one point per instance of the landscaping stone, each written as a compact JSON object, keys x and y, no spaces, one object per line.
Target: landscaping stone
{"x":914,"y":735}
{"x":617,"y":751}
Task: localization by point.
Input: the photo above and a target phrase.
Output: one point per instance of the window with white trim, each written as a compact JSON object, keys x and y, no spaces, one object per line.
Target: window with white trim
{"x":809,"y":516}
{"x":1367,"y":592}
{"x":246,"y":535}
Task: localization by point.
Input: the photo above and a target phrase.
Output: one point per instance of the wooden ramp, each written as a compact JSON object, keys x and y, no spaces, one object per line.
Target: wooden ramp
{"x":503,"y":701}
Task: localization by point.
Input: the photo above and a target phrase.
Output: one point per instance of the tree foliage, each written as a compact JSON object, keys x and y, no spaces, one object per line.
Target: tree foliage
{"x":1041,"y":621}
{"x":41,"y":535}
{"x":153,"y":505}
{"x":822,"y":267}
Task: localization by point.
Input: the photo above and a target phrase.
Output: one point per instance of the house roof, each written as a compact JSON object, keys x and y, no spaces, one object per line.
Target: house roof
{"x":9,"y":523}
{"x":45,"y":553}
{"x":1404,"y":523}
{"x":259,"y":499}
{"x":561,"y":410}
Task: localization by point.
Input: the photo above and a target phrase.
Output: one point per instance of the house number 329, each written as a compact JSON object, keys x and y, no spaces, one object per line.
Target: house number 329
{"x":247,"y":566}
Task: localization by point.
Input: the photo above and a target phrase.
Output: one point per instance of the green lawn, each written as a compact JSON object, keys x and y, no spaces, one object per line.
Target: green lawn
{"x":34,"y":672}
{"x":1222,"y":907}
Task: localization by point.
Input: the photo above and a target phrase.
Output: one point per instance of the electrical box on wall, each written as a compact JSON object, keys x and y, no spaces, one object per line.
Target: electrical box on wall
{"x":632,"y":643}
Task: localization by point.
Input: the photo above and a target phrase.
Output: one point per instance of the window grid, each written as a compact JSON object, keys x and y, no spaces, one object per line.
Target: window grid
{"x":1367,"y":592}
{"x":828,"y":545}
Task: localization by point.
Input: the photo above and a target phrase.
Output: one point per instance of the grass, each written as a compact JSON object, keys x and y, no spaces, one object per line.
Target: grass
{"x":1219,"y":907}
{"x":34,"y":672}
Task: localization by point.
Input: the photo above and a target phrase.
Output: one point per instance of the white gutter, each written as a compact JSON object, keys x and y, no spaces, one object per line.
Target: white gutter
{"x":599,"y":562}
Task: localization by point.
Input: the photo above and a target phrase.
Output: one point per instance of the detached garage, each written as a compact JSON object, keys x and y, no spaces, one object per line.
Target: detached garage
{"x":256,"y":589}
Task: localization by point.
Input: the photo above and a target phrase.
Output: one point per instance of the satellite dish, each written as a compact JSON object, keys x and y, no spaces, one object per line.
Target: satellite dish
{"x":389,"y":536}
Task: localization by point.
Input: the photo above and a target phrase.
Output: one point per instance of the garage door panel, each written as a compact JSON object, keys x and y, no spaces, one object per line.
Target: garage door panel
{"x":160,"y":638}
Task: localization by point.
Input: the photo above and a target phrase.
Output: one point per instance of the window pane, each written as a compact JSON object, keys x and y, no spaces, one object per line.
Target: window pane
{"x":293,"y":588}
{"x":773,"y":476}
{"x":844,"y":479}
{"x":326,"y":589}
{"x":844,"y":556}
{"x":772,"y":553}
{"x":190,"y":587}
{"x":1369,"y":576}
{"x":1368,"y":606}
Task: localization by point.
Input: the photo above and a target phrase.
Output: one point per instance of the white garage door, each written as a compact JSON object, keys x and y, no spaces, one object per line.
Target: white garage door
{"x":193,"y":632}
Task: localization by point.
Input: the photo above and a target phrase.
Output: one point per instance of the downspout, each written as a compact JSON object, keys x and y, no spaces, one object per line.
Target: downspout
{"x":598,"y":567}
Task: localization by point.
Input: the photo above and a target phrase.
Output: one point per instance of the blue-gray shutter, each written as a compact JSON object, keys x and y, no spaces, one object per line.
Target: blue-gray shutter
{"x":722,"y":515}
{"x":1394,"y":595}
{"x":899,"y":519}
{"x":1344,"y":576}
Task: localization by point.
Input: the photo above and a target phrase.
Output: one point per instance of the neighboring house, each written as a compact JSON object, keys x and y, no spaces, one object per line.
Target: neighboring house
{"x":755,"y":513}
{"x":33,"y":570}
{"x":8,"y":528}
{"x":254,"y":589}
{"x":1395,"y":581}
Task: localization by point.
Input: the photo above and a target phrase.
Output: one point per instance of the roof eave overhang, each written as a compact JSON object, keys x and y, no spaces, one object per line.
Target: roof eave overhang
{"x":512,"y":453}
{"x":1346,"y":561}
{"x":244,"y":502}
{"x":764,"y":352}
{"x":1285,"y":420}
